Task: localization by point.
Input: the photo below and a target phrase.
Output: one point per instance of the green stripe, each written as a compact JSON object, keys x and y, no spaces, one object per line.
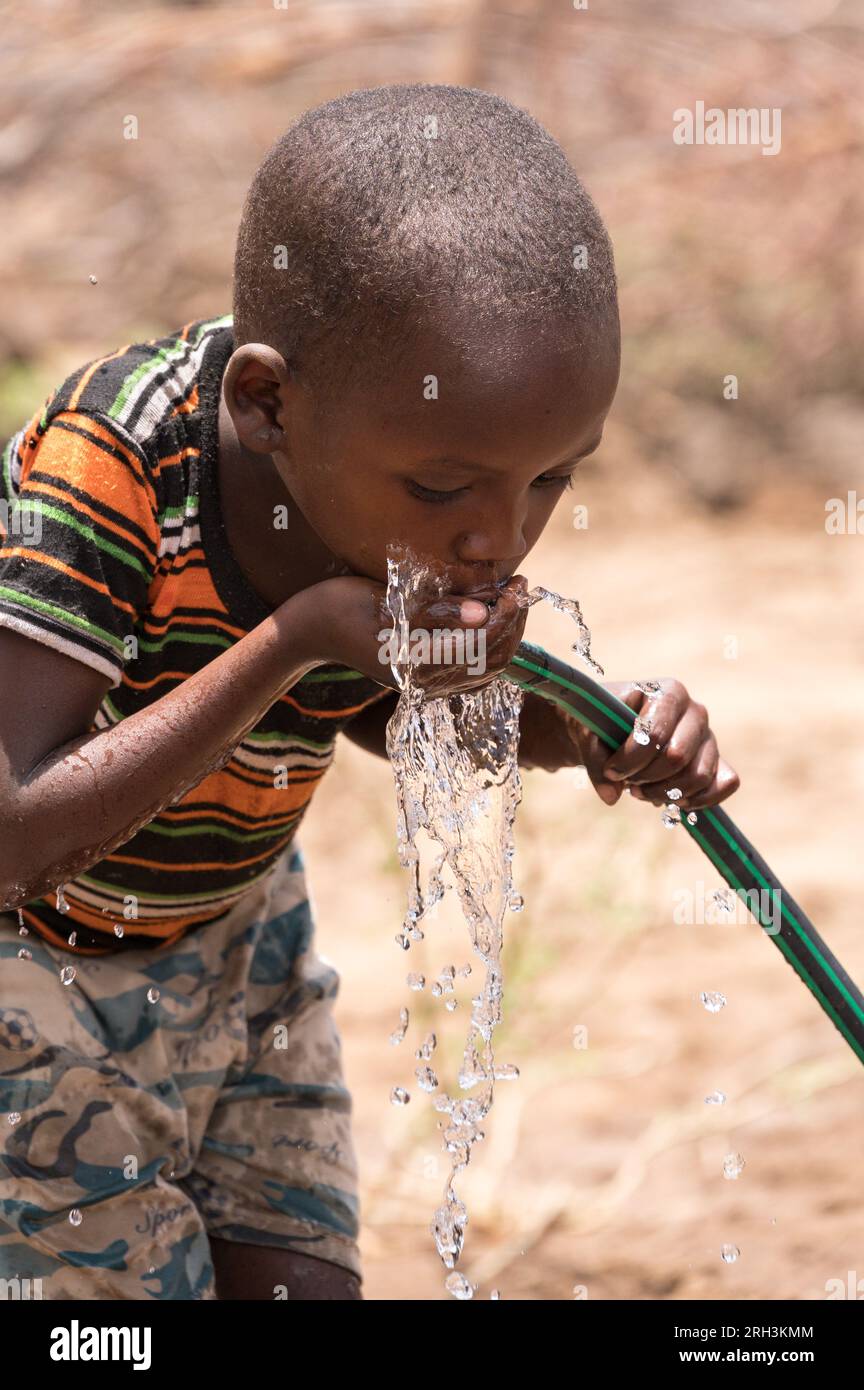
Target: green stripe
{"x":218,"y":895}
{"x":289,"y":739}
{"x":86,"y":530}
{"x":159,"y":357}
{"x":732,"y":879}
{"x":7,"y":468}
{"x":317,"y":676}
{"x":579,"y":690}
{"x":210,"y":828}
{"x":796,"y":926}
{"x":60,"y":615}
{"x":188,"y":637}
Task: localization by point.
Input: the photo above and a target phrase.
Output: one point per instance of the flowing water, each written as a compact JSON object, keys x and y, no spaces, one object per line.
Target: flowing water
{"x":455,"y":765}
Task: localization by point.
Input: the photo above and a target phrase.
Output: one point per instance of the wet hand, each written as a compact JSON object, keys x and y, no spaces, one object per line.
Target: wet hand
{"x":679,"y":754}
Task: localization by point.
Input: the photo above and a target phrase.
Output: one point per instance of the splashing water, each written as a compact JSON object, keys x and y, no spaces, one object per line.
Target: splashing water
{"x":733,"y":1165}
{"x":455,"y":766}
{"x":582,"y":647}
{"x":713,"y":1000}
{"x":397,"y":1036}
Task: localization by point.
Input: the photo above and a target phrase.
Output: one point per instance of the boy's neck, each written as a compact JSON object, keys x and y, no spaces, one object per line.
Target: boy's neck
{"x":276,"y":564}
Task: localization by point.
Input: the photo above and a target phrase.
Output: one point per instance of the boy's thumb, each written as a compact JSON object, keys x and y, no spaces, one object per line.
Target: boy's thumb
{"x":608,"y":792}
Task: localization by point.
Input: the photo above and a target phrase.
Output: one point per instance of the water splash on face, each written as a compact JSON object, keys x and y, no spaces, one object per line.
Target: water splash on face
{"x":454,"y":761}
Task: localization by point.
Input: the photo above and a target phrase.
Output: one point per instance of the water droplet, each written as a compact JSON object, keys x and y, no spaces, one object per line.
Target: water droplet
{"x":516,"y":903}
{"x":713,"y":1000}
{"x":399,"y":1033}
{"x":641,"y":732}
{"x":403,"y":941}
{"x":416,"y":981}
{"x":73,"y":937}
{"x":75,"y":1217}
{"x":436,"y":990}
{"x":425,"y":1050}
{"x":21,"y":919}
{"x":692,"y":817}
{"x":62,"y":905}
{"x":426,"y":1079}
{"x":733,"y":1166}
{"x":507,"y":1072}
{"x":24,"y":954}
{"x":721,"y":898}
{"x":14,"y":1117}
{"x":399,"y":1096}
{"x":93,"y":280}
{"x":464,"y":970}
{"x":729,"y":1253}
{"x":67,"y":974}
{"x":716,"y":1098}
{"x":671,"y":817}
{"x":119,"y":929}
{"x":458,"y":1285}
{"x":23,"y":931}
{"x":494,"y":1294}
{"x":674,"y":794}
{"x":152,"y":995}
{"x":450,"y":1005}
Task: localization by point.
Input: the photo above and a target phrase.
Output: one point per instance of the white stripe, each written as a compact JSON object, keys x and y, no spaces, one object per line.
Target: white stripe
{"x":62,"y":644}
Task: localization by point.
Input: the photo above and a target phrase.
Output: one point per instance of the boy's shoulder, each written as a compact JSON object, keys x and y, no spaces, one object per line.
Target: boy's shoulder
{"x":142,"y":387}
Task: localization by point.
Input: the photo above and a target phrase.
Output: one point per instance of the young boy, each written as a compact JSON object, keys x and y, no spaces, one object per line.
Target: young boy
{"x":424,"y":342}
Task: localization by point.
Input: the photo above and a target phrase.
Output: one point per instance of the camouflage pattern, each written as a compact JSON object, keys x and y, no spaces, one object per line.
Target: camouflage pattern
{"x":219,"y":1109}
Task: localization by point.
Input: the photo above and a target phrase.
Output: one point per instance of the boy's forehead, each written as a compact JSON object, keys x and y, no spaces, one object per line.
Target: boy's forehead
{"x":471,"y":383}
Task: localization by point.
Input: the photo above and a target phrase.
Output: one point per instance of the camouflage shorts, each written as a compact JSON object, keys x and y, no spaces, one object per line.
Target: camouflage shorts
{"x":165,"y":1097}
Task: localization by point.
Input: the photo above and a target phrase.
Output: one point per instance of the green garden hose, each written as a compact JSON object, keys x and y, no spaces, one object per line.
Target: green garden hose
{"x":734,"y":857}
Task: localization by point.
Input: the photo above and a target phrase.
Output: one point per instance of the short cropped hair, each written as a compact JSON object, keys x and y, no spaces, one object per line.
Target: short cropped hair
{"x":373,"y":208}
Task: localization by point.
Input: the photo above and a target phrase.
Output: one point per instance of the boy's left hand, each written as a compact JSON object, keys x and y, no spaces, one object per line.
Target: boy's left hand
{"x":688,"y":757}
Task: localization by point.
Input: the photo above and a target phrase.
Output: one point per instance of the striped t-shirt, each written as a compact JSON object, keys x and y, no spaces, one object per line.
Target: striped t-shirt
{"x":113,"y":550}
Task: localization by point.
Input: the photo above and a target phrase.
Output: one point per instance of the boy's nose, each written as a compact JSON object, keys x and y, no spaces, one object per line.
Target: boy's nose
{"x":496,"y":551}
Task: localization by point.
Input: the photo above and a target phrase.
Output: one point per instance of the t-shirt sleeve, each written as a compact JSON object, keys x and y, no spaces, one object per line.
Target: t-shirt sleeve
{"x":79,"y":537}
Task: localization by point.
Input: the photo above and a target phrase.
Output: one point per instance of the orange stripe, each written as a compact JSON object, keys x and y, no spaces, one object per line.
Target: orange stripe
{"x":27,"y":552}
{"x":324,"y":713}
{"x":166,"y":625}
{"x":60,"y":450}
{"x":168,"y":459}
{"x":224,"y":816}
{"x":89,"y":374}
{"x":88,"y":511}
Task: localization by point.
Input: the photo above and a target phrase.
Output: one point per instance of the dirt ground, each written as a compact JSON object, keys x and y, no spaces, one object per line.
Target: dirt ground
{"x":601,"y":1175}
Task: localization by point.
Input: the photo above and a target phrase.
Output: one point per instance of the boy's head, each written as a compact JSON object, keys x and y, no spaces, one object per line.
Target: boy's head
{"x":420,"y":276}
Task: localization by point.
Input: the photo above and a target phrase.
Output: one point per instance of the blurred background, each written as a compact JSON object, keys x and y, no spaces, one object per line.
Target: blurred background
{"x":705,"y":556}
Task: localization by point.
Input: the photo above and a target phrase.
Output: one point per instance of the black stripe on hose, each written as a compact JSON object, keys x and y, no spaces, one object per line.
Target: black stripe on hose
{"x":731,"y":853}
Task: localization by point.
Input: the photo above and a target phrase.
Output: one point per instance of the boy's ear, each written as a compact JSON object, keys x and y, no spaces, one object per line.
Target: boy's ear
{"x":252,"y":391}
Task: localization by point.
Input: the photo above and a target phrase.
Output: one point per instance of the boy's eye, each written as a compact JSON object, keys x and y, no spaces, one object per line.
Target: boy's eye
{"x":428,"y":494}
{"x":563,"y":480}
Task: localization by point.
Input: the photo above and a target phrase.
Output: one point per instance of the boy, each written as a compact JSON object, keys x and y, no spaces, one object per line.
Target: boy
{"x":424,"y":342}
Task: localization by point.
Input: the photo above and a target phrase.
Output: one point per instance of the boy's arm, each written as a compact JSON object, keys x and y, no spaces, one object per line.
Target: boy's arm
{"x":69,"y":797}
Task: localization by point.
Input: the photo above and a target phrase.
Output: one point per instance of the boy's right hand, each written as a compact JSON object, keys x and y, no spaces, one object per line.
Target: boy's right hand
{"x":344,"y":617}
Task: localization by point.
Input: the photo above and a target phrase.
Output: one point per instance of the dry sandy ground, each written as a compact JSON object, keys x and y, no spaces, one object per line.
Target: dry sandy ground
{"x":601,"y":1170}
